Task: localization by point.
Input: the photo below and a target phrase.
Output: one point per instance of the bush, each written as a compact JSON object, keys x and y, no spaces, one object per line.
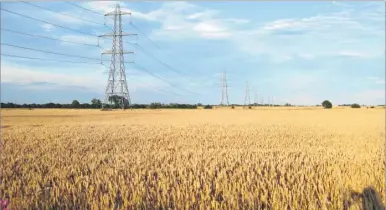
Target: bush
{"x":249,"y":107}
{"x":355,"y":106}
{"x":232,"y":107}
{"x":372,"y":107}
{"x":327,"y":104}
{"x":208,"y":107}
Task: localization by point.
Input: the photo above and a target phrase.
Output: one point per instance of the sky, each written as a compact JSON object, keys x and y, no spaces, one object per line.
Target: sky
{"x":288,"y":52}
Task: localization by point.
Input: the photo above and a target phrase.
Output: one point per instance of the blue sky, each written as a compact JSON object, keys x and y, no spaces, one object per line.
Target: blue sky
{"x":296,"y":52}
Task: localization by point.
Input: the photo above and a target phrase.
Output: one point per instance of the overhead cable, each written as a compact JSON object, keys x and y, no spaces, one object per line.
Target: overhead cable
{"x":45,"y":37}
{"x":40,"y":7}
{"x":50,"y":52}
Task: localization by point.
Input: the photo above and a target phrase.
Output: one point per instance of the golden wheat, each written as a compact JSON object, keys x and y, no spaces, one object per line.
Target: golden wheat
{"x":193,"y":159}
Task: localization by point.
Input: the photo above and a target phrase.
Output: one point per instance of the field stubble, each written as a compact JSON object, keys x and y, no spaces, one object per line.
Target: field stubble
{"x":190,"y":159}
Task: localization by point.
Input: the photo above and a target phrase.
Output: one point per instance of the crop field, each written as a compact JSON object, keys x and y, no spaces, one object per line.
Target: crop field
{"x":265,"y":158}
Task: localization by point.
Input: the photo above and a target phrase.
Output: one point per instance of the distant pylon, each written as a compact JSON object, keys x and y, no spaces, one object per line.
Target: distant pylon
{"x":117,"y":74}
{"x":256,"y":98}
{"x":247,"y":98}
{"x":224,"y":93}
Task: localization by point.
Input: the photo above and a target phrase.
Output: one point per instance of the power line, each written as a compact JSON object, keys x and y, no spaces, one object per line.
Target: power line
{"x":50,"y":52}
{"x":45,"y":37}
{"x":42,"y":59}
{"x":82,"y":32}
{"x":37,"y":6}
{"x":50,"y":60}
{"x":76,"y":5}
{"x":159,"y":61}
{"x":62,"y":61}
{"x":143,"y":34}
{"x":140,"y":48}
{"x":136,"y":28}
{"x":160,"y":78}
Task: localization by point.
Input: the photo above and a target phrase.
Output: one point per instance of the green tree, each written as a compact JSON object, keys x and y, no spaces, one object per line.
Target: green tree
{"x":96,"y":103}
{"x":355,"y":106}
{"x":117,"y":101}
{"x":155,"y":105}
{"x":327,"y":104}
{"x":75,"y":104}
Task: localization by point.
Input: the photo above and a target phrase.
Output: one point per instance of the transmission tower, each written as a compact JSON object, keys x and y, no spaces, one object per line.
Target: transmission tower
{"x":224,"y":93}
{"x":116,"y":89}
{"x":247,"y":98}
{"x":256,"y":98}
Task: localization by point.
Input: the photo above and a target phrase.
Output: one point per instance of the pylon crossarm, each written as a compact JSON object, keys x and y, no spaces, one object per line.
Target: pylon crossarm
{"x":117,"y":13}
{"x":120,"y":52}
{"x":122,"y":34}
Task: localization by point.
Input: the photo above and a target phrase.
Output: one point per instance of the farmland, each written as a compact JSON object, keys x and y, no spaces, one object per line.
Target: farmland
{"x":276,"y":158}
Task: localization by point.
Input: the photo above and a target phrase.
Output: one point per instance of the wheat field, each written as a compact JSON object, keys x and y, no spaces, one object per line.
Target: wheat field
{"x":265,"y":158}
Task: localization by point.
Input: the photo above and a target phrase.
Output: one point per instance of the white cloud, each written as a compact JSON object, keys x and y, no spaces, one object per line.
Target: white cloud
{"x":35,"y":78}
{"x":177,"y":19}
{"x":79,"y":39}
{"x":202,"y":15}
{"x":351,"y":54}
{"x":103,"y":6}
{"x":70,"y":19}
{"x":208,"y":27}
{"x":186,"y":20}
{"x":282,"y":24}
{"x":377,"y":80}
{"x":335,"y":34}
{"x":47,"y":27}
{"x":238,"y":21}
{"x":26,"y":75}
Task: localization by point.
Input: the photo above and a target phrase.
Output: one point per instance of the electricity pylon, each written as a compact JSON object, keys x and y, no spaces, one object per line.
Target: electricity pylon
{"x":224,"y":93}
{"x":256,"y":98}
{"x":117,"y":74}
{"x":268,"y":101}
{"x":247,"y":98}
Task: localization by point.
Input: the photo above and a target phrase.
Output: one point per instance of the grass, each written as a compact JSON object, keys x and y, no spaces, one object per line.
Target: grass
{"x":278,"y":158}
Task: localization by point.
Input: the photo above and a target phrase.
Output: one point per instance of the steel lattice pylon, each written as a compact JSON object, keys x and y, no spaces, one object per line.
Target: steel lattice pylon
{"x":224,"y":93}
{"x":117,"y":89}
{"x":247,"y":100}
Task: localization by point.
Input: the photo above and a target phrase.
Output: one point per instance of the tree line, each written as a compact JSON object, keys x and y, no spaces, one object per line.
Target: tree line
{"x":116,"y":101}
{"x":97,"y":104}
